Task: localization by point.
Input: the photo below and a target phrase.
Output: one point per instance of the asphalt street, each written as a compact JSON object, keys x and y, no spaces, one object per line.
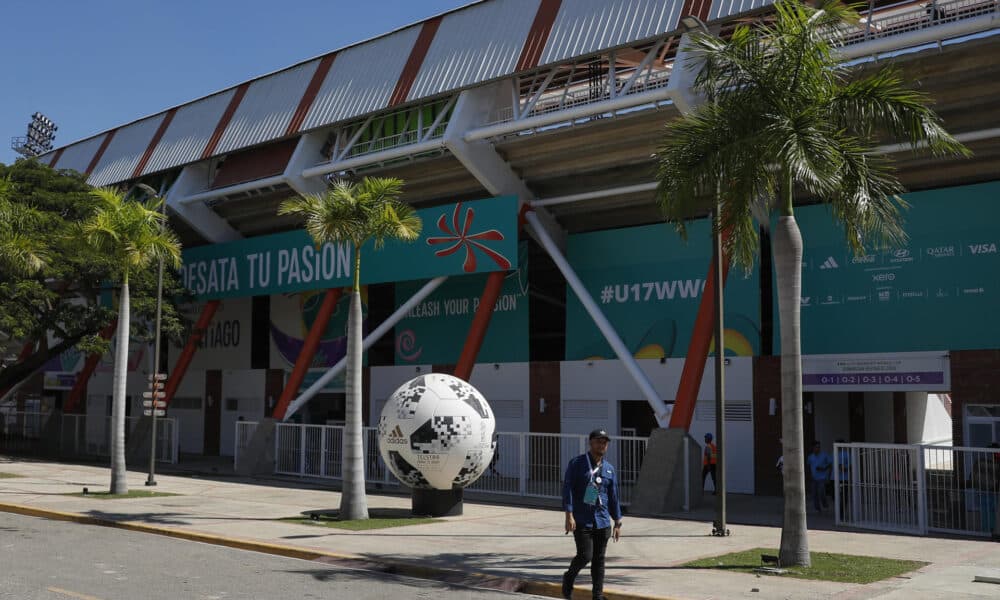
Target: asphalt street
{"x":53,"y":560}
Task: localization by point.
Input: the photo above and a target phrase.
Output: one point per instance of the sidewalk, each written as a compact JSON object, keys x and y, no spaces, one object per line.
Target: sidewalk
{"x":516,"y":547}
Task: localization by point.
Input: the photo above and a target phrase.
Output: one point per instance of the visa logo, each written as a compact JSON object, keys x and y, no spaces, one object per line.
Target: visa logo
{"x":983,"y":248}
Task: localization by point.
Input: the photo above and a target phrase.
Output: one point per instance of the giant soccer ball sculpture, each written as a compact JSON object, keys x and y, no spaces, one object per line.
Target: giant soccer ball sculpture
{"x":436,"y":433}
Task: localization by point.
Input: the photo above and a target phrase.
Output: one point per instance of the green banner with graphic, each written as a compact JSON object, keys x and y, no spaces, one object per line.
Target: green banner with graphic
{"x":939,"y":292}
{"x":434,"y":331}
{"x":460,"y":238}
{"x":649,"y":283}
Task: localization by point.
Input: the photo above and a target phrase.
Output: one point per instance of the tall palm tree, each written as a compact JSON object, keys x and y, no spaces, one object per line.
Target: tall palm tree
{"x":785,"y":115}
{"x":132,"y":235}
{"x":355,"y":213}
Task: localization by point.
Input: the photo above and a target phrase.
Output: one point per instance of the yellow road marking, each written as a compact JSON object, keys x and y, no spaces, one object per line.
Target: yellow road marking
{"x":72,"y":594}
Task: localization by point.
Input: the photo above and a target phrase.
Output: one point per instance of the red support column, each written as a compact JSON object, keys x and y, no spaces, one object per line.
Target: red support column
{"x":697,"y":353}
{"x":177,"y":375}
{"x":308,"y":352}
{"x":480,"y":323}
{"x":484,"y":312}
{"x":80,"y":385}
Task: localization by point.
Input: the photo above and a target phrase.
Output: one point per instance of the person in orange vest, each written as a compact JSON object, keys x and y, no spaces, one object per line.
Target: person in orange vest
{"x":708,"y":461}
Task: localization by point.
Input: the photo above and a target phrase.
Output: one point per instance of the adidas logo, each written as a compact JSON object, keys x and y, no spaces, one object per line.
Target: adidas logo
{"x":829,"y":263}
{"x":396,"y":436}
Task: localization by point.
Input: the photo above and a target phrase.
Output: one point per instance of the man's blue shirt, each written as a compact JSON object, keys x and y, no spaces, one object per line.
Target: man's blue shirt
{"x":595,"y":516}
{"x":819,"y":465}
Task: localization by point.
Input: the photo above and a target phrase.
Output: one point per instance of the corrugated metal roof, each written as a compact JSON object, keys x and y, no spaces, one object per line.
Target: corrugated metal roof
{"x":267,"y":108}
{"x":78,"y":156}
{"x":123,"y":153}
{"x":474,"y":45}
{"x":188,"y":133}
{"x":586,"y":26}
{"x":724,"y":8}
{"x":361,"y":79}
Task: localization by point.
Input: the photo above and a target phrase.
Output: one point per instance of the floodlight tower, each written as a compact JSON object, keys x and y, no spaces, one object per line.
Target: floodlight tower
{"x":41,"y":133}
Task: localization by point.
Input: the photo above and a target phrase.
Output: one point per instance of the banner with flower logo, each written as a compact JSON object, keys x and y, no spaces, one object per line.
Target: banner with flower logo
{"x":457,"y":239}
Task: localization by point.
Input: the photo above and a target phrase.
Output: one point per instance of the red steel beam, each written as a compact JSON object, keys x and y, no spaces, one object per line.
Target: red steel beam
{"x":697,"y":353}
{"x":80,"y":385}
{"x":184,"y":361}
{"x":484,"y":312}
{"x":305,"y":357}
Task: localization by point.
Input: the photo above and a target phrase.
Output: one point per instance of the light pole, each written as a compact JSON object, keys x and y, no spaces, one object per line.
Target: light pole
{"x":691,"y":24}
{"x":155,"y":384}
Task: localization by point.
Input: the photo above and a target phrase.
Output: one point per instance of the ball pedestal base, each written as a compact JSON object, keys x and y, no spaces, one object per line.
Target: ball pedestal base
{"x":437,"y":503}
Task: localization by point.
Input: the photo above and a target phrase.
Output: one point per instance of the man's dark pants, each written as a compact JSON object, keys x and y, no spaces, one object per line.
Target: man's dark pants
{"x":591,"y":545}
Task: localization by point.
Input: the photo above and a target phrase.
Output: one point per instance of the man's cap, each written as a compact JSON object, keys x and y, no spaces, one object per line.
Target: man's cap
{"x":599,"y":433}
{"x":708,"y":436}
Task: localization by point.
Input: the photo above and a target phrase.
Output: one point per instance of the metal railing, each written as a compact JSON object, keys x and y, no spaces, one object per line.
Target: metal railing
{"x":24,"y":425}
{"x":392,"y":141}
{"x":244,"y":433}
{"x":917,"y":489}
{"x":525,"y":464}
{"x":90,"y":435}
{"x":894,"y":21}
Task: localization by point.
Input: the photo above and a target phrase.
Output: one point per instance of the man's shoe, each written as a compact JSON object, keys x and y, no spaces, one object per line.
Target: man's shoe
{"x":567,"y":587}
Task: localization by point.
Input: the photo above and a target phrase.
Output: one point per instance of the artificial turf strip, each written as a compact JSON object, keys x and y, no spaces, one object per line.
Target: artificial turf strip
{"x":9,"y":476}
{"x":376,"y":520}
{"x":845,"y":568}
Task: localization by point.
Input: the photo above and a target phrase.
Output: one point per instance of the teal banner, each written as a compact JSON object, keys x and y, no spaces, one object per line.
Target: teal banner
{"x":434,"y":331}
{"x":939,"y":292}
{"x":461,"y":238}
{"x":649,"y":283}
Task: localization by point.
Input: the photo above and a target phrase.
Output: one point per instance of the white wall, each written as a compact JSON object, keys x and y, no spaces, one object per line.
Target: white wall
{"x":832,"y":416}
{"x":506,"y":387}
{"x":591,"y":391}
{"x":927,"y":421}
{"x":878,"y":418}
{"x":190,"y":422}
{"x":246,"y":387}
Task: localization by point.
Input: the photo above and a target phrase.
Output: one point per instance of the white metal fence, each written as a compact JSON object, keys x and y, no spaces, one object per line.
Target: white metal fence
{"x":90,"y":435}
{"x":22,"y":425}
{"x":917,"y":489}
{"x":244,"y":433}
{"x":525,"y":464}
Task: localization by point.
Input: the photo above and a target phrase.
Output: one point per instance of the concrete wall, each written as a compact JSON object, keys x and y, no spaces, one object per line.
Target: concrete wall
{"x":878,"y":418}
{"x":228,"y":339}
{"x":927,"y":421}
{"x":242,"y":396}
{"x":832,"y":418}
{"x":506,"y":388}
{"x":190,"y":421}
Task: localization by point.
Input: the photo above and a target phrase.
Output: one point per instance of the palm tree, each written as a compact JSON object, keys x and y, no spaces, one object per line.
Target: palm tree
{"x":785,"y":115}
{"x":132,"y":235}
{"x":355,"y":213}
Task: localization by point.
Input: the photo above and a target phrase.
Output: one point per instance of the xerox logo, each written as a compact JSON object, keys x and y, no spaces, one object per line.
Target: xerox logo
{"x":941,"y":251}
{"x":983,"y":248}
{"x":829,"y":263}
{"x":395,"y":436}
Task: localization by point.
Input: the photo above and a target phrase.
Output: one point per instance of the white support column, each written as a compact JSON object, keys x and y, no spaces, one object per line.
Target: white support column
{"x":481,"y":159}
{"x":681,"y":84}
{"x":307,"y":154}
{"x":204,"y":220}
{"x":660,"y":410}
{"x":373,"y":337}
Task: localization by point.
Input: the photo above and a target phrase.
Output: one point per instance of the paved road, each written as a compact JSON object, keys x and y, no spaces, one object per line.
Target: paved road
{"x":53,"y":560}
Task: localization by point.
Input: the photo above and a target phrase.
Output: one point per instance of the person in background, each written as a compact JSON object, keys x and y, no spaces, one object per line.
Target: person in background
{"x":708,"y":462}
{"x":590,"y":499}
{"x":820,"y":466}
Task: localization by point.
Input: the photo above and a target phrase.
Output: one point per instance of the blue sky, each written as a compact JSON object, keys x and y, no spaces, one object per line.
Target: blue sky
{"x":90,"y":65}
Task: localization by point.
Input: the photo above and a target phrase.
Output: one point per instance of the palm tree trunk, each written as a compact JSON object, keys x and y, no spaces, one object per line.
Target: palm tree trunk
{"x":119,"y":485}
{"x":787,"y":242}
{"x":353,"y":503}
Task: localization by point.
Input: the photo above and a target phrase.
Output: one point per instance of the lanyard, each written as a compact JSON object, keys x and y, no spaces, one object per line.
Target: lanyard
{"x":593,"y":470}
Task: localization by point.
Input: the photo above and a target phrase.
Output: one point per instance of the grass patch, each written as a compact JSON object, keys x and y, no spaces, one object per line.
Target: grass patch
{"x":378,"y":519}
{"x":845,"y":568}
{"x":9,"y":476}
{"x":130,"y":494}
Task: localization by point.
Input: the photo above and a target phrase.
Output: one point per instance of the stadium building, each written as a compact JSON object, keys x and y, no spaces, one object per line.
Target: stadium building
{"x":524,"y":130}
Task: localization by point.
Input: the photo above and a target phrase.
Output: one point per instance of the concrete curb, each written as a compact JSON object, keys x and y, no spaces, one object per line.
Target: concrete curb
{"x":451,"y":576}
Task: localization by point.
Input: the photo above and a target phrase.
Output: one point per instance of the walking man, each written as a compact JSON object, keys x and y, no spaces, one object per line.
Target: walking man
{"x":708,"y":462}
{"x":590,"y":499}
